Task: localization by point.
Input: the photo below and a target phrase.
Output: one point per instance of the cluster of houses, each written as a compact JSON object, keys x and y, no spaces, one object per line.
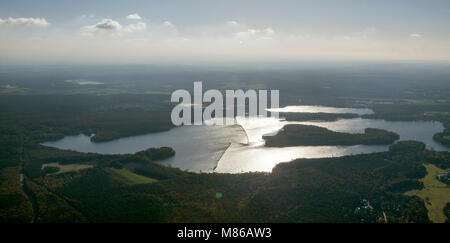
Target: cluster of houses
{"x":443,"y":177}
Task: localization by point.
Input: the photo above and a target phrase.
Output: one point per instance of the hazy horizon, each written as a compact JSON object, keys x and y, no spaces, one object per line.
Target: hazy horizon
{"x":179,"y":32}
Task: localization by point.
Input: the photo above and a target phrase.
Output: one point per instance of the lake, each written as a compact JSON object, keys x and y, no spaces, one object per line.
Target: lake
{"x":240,"y":148}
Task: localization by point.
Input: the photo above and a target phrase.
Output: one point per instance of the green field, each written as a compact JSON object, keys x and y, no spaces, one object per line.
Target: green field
{"x":134,"y":178}
{"x":435,"y":194}
{"x":67,"y":168}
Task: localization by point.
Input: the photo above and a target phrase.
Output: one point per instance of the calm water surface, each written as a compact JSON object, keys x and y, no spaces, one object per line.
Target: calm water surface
{"x":240,"y":148}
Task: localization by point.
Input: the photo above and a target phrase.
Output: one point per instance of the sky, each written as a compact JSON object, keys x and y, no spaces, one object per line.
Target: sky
{"x":182,"y":31}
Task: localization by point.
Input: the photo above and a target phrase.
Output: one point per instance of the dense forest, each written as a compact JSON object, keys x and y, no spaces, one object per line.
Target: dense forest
{"x":107,"y":117}
{"x":443,"y":137}
{"x":305,"y":190}
{"x":306,"y":135}
{"x":134,"y":188}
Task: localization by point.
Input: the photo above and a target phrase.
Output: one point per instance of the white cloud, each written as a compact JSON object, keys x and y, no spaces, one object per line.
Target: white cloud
{"x":365,"y":34}
{"x":136,"y":27}
{"x":40,"y":22}
{"x":105,"y":24}
{"x":234,"y":26}
{"x":108,"y":40}
{"x":168,"y":24}
{"x":113,"y":27}
{"x":232,"y":23}
{"x":415,"y":36}
{"x":108,"y":24}
{"x":266,"y":33}
{"x":134,"y":16}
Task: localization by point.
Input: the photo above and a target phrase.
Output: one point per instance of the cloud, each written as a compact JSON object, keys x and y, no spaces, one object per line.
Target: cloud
{"x":168,"y":24}
{"x":39,"y":22}
{"x":134,"y":16}
{"x":234,"y":26}
{"x":415,"y":36}
{"x":266,"y":33}
{"x":365,"y":34}
{"x":113,"y":27}
{"x":108,"y":24}
{"x":232,"y":23}
{"x":136,"y":27}
{"x":105,"y":24}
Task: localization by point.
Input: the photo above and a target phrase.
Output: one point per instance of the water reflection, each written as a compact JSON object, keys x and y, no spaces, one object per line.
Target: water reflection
{"x":256,"y":157}
{"x":198,"y":148}
{"x":240,"y":148}
{"x":240,"y":158}
{"x":408,"y":130}
{"x":323,"y":109}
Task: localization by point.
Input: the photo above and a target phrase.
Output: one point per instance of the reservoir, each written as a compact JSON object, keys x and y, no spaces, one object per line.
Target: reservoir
{"x":240,"y":148}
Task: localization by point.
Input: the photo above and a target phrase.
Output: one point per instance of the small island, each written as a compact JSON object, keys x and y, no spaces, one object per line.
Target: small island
{"x":157,"y":153}
{"x":305,"y":135}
